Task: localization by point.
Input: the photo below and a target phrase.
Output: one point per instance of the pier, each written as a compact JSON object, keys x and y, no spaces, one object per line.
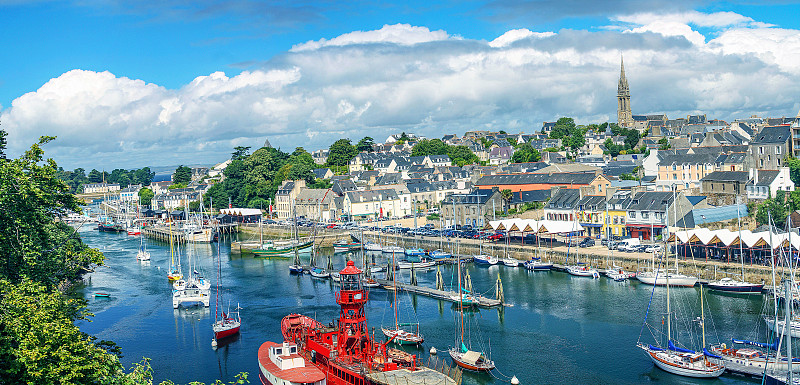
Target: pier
{"x":438,"y":294}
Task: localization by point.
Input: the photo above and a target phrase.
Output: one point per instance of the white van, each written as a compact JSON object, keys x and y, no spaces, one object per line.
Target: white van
{"x":629,"y":244}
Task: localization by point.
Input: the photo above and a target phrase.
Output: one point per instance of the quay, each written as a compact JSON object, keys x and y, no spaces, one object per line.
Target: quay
{"x":163,"y":233}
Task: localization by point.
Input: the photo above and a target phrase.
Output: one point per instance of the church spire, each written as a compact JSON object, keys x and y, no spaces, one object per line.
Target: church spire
{"x":624,"y":114}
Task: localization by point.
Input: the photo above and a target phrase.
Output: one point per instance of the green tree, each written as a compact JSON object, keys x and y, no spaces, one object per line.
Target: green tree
{"x":563,"y":128}
{"x":341,"y":152}
{"x":143,"y":176}
{"x":776,"y":208}
{"x":526,"y":153}
{"x":240,"y":152}
{"x":182,"y":174}
{"x":145,"y":196}
{"x":631,"y":139}
{"x":664,"y":144}
{"x":461,"y":155}
{"x":507,"y":196}
{"x":365,"y":144}
{"x":216,"y":195}
{"x":794,"y":169}
{"x":95,"y":176}
{"x":430,"y":147}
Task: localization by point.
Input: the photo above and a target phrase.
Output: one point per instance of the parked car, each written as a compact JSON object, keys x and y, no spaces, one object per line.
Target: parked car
{"x":653,"y":248}
{"x":496,"y":236}
{"x":586,"y":242}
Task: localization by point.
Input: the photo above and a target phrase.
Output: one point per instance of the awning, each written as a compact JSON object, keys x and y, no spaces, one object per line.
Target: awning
{"x":645,"y":226}
{"x":471,"y":357}
{"x":592,"y":224}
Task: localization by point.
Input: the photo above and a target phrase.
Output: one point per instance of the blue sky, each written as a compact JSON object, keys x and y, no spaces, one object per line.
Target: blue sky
{"x":131,"y":84}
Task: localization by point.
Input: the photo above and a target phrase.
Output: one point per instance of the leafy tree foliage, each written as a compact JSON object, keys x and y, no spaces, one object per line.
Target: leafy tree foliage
{"x":794,"y":169}
{"x":96,"y":176}
{"x":145,"y":196}
{"x":563,"y":128}
{"x":341,"y":153}
{"x":34,"y":246}
{"x":182,"y":174}
{"x":775,"y":207}
{"x":526,"y":153}
{"x":240,"y":152}
{"x":459,"y":155}
{"x":365,"y":144}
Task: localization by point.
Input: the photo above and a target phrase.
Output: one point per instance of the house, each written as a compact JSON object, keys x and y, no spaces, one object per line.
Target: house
{"x":130,"y":193}
{"x":500,"y":155}
{"x":764,"y":184}
{"x":725,"y":182}
{"x":439,"y":161}
{"x":342,"y":186}
{"x":316,"y":204}
{"x":218,"y":169}
{"x":370,"y":204}
{"x":160,"y":187}
{"x":285,"y":198}
{"x":323,"y":173}
{"x":473,"y":208}
{"x":100,"y":188}
{"x":174,"y":199}
{"x":770,"y":147}
{"x":320,"y":156}
{"x":649,"y":213}
{"x":590,"y":210}
{"x":530,"y":182}
{"x":562,"y":205}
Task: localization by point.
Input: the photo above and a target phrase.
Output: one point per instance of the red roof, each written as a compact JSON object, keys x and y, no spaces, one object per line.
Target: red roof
{"x":350,"y":269}
{"x":307,"y":374}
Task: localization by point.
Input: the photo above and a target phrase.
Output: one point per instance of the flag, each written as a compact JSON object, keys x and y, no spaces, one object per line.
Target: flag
{"x":381,"y":212}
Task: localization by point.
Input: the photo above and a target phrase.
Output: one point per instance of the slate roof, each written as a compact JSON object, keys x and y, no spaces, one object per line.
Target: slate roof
{"x":371,"y":195}
{"x":555,"y":178}
{"x":772,"y":135}
{"x":474,"y":197}
{"x":521,"y":197}
{"x":389,"y":178}
{"x":340,"y":187}
{"x":564,"y":199}
{"x":319,"y":173}
{"x":727,"y":176}
{"x":766,"y":177}
{"x":695,"y":199}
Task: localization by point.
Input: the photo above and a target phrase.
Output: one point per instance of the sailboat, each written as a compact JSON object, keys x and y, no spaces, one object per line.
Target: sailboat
{"x":730,"y":285}
{"x":462,"y":355}
{"x":580,"y":269}
{"x":659,"y":277}
{"x":680,"y":361}
{"x":174,"y":272}
{"x":228,"y":323}
{"x":143,"y":255}
{"x":399,"y":335}
{"x":776,"y":375}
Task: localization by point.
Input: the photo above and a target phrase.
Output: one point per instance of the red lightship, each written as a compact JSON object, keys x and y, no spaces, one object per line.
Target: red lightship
{"x":343,"y":353}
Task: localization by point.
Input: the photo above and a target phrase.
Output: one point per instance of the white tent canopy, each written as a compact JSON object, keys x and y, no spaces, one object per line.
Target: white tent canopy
{"x":240,"y":212}
{"x":536,"y":227}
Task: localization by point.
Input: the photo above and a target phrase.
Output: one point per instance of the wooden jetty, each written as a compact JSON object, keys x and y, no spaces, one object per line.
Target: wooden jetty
{"x":438,"y":294}
{"x":164,"y":233}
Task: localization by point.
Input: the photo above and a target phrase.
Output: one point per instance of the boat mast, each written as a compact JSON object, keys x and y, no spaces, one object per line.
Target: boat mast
{"x":394,"y":286}
{"x":460,"y":292}
{"x":703,"y":319}
{"x":739,"y":223}
{"x":669,"y":325}
{"x":675,"y":209}
{"x":788,"y":306}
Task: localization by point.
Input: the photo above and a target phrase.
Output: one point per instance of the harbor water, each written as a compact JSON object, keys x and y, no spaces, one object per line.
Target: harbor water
{"x":555,"y":329}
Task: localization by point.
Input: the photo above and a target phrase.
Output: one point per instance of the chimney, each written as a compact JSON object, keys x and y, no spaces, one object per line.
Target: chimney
{"x":750,"y":174}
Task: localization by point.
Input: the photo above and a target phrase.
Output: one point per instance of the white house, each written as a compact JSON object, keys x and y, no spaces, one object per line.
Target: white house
{"x":130,"y":193}
{"x":100,"y":188}
{"x":765,"y":183}
{"x":371,"y":204}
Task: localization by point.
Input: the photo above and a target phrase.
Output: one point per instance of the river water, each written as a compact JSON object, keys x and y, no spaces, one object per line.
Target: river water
{"x":557,"y":329}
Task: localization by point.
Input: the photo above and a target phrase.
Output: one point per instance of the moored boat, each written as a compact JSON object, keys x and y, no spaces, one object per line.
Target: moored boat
{"x":683,"y":362}
{"x":581,"y":270}
{"x":730,"y":285}
{"x":536,"y":264}
{"x":439,"y":254}
{"x":749,"y":360}
{"x":319,"y":272}
{"x":281,"y":364}
{"x":295,"y":269}
{"x":423,"y":264}
{"x":345,"y":245}
{"x":227,"y":325}
{"x":484,"y":259}
{"x":393,"y":249}
{"x":270,"y":249}
{"x":372,"y":246}
{"x":510,"y":262}
{"x":414,"y":252}
{"x":471,"y":360}
{"x":658,"y":278}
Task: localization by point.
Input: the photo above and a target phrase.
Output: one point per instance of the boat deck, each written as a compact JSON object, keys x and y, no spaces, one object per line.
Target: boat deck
{"x":438,"y":294}
{"x":405,"y":377}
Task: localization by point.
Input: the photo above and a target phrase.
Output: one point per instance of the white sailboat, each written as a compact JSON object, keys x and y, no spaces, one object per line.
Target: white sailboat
{"x":399,"y":335}
{"x":142,"y":255}
{"x":680,"y":361}
{"x":661,"y":277}
{"x":461,"y":354}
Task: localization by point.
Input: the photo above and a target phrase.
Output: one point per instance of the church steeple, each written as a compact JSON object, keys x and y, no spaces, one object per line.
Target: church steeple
{"x":624,"y":114}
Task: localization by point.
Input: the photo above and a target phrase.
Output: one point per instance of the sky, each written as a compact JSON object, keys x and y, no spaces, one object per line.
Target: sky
{"x":128,"y":84}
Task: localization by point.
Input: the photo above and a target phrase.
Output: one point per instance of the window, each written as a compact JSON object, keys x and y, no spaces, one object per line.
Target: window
{"x":645,"y":215}
{"x":675,"y":176}
{"x":778,"y":150}
{"x":674,"y":167}
{"x":761,"y":162}
{"x":761,"y":150}
{"x":632,"y":214}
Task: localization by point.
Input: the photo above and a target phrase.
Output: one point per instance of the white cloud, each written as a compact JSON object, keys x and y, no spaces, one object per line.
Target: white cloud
{"x":515,"y":35}
{"x":717,"y":19}
{"x":311,"y":96}
{"x":403,"y":34}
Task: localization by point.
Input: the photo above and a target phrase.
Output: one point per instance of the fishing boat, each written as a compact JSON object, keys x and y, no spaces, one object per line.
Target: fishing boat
{"x":414,"y":252}
{"x":102,"y":295}
{"x":345,"y":245}
{"x":134,"y":230}
{"x":370,"y":283}
{"x":272,"y":249}
{"x":110,"y":227}
{"x":343,"y":350}
{"x":537,"y":264}
{"x":465,"y":299}
{"x":749,"y":359}
{"x":484,"y":259}
{"x":372,"y":246}
{"x":617,"y":274}
{"x":511,"y":262}
{"x":319,"y":272}
{"x":581,"y":270}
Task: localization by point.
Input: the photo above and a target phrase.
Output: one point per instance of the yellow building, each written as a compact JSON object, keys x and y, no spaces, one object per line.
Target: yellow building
{"x":615,"y":219}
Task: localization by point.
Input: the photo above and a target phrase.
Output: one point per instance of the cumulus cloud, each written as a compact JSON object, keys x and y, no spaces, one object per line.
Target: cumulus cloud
{"x":402,"y":34}
{"x":406,"y":78}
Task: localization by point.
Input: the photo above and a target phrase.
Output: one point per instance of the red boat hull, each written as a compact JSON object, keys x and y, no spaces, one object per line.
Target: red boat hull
{"x":226,"y":333}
